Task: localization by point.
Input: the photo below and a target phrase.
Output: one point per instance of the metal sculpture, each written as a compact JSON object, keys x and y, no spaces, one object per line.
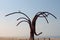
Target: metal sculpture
{"x":33,"y":22}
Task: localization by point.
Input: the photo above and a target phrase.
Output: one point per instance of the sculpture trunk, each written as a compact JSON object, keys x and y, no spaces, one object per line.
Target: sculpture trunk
{"x":31,"y":32}
{"x":31,"y":35}
{"x":32,"y":29}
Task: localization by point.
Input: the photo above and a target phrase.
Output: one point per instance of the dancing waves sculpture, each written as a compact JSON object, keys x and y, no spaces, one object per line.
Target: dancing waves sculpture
{"x":32,"y":24}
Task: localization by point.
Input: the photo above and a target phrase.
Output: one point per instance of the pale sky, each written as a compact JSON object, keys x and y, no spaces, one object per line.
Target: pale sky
{"x":8,"y":26}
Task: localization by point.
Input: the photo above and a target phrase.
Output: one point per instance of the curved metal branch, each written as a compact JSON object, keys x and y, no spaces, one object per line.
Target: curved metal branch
{"x":50,"y":14}
{"x":21,"y":22}
{"x":16,"y":13}
{"x":38,"y":13}
{"x":45,"y":18}
{"x":38,"y":34}
{"x":22,"y":18}
{"x":45,"y":15}
{"x":53,"y":16}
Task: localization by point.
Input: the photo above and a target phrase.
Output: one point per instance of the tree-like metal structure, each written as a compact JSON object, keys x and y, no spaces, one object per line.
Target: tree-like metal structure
{"x":32,"y":24}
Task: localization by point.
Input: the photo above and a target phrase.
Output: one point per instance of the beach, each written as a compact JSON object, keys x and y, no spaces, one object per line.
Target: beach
{"x":1,"y":38}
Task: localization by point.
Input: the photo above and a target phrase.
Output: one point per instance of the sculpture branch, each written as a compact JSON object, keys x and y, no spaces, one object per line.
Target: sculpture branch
{"x":19,"y":13}
{"x":45,"y":18}
{"x":38,"y":33}
{"x":53,"y":15}
{"x":21,"y":22}
{"x":22,"y":18}
{"x":45,"y":14}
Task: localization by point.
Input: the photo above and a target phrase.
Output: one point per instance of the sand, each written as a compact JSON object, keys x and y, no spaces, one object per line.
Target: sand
{"x":28,"y":39}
